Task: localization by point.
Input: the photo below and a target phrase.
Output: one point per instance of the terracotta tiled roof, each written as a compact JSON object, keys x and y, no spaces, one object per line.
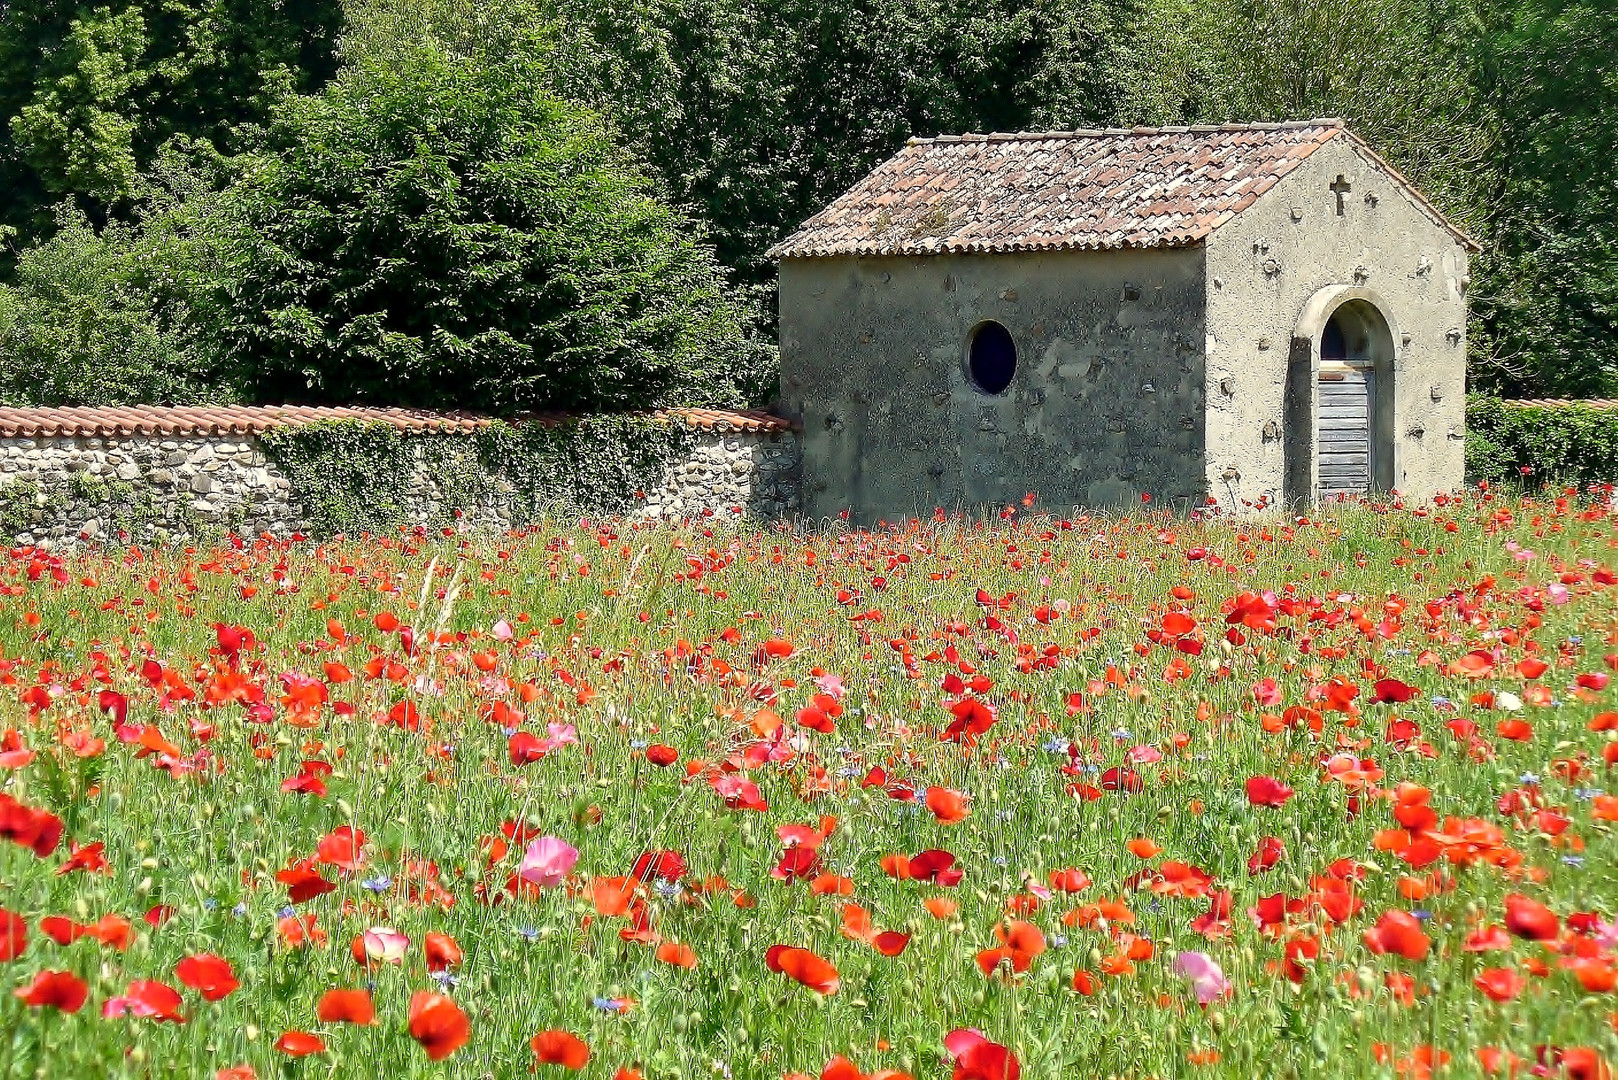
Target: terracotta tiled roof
{"x":1068,"y":190}
{"x":1560,"y":403}
{"x":223,"y":420}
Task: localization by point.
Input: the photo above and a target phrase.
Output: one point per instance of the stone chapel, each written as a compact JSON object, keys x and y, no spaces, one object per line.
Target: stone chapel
{"x":1250,"y":315}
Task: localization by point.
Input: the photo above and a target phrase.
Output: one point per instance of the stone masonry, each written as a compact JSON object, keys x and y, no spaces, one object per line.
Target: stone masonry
{"x":143,"y":489}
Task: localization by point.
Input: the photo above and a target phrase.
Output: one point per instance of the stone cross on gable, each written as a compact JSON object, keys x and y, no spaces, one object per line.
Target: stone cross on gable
{"x":1340,"y":187}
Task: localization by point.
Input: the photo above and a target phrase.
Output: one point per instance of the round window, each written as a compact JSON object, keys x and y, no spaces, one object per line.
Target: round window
{"x":992,"y":358}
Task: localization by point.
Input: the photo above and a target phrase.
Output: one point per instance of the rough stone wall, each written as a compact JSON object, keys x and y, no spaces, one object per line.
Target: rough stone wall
{"x":758,"y":474}
{"x":145,"y":490}
{"x":1265,"y":266}
{"x":1106,"y":403}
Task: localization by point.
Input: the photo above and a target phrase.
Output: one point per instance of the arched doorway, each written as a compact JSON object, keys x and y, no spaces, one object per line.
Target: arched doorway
{"x":1340,"y":397}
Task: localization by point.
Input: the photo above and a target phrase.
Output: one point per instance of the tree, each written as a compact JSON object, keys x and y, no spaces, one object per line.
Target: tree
{"x":87,"y":320}
{"x":441,"y":230}
{"x":88,"y":93}
{"x":756,"y":113}
{"x":1546,"y":298}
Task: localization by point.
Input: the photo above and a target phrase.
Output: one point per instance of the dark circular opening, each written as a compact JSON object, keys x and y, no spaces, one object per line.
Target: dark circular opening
{"x":992,"y":360}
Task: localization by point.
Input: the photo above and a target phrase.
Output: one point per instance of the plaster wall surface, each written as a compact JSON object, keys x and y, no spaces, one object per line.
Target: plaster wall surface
{"x":1263,"y":268}
{"x":1106,"y":403}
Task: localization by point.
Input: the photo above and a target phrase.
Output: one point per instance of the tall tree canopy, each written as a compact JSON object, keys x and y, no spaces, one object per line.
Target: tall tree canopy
{"x":88,"y":92}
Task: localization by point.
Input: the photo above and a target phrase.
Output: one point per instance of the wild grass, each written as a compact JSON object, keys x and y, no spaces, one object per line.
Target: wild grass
{"x":639,"y":635}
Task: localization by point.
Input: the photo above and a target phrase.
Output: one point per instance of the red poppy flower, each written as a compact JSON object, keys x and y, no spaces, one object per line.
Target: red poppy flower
{"x":948,"y":805}
{"x":803,"y":966}
{"x":1295,"y":953}
{"x":1487,"y":939}
{"x":936,"y":866}
{"x":680,"y":956}
{"x":438,"y":1024}
{"x":209,"y":975}
{"x":972,"y":718}
{"x":146,"y":998}
{"x":1392,"y":691}
{"x":1530,"y":919}
{"x":560,"y":1048}
{"x":1121,"y":778}
{"x":1071,"y":880}
{"x":299,"y":1044}
{"x":666,"y":865}
{"x":60,"y":990}
{"x":524,"y":747}
{"x":1020,"y":944}
{"x":303,"y":882}
{"x":662,"y":756}
{"x":38,"y":830}
{"x":1397,"y":932}
{"x":1501,"y":984}
{"x":1270,"y":850}
{"x":441,"y":950}
{"x":346,"y":1007}
{"x":976,"y":1058}
{"x":1267,"y":791}
{"x":797,"y":862}
{"x":13,"y":935}
{"x":1143,"y":847}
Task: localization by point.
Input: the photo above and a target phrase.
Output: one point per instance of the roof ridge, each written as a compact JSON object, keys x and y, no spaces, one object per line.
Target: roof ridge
{"x":1097,"y":133}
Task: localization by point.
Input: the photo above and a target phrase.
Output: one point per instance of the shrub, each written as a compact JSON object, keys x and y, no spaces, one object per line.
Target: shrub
{"x":83,"y":324}
{"x":1532,"y":445}
{"x":436,"y":232}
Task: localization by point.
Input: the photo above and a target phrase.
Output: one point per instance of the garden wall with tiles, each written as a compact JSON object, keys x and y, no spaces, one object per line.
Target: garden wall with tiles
{"x":71,"y":476}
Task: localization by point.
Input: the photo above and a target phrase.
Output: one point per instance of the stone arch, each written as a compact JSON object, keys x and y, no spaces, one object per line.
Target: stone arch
{"x":1371,"y":338}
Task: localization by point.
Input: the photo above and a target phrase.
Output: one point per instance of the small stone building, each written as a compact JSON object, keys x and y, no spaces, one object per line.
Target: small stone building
{"x":1241,"y":314}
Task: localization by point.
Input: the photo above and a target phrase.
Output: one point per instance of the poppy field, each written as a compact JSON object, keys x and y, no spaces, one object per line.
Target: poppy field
{"x":1132,"y":796}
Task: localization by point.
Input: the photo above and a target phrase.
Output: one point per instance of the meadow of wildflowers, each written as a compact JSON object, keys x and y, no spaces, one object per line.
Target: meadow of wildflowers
{"x":1127,"y":796}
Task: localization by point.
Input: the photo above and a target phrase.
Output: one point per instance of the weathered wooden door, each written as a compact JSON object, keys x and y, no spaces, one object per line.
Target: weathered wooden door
{"x":1346,"y":449}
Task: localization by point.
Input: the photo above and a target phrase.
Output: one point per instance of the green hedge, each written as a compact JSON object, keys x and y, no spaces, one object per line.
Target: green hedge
{"x":1535,"y":445}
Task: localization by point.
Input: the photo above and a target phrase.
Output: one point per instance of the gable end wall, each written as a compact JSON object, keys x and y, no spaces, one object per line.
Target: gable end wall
{"x":1265,"y":265}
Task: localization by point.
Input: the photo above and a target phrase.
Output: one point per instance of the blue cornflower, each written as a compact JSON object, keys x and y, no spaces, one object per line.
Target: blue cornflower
{"x":379,"y":884}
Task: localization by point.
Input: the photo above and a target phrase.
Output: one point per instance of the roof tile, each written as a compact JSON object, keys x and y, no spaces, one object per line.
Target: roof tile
{"x":1081,"y":190}
{"x":242,"y":420}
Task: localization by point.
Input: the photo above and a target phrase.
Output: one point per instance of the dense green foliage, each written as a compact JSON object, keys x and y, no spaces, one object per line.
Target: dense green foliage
{"x":440,"y":233}
{"x":1547,"y":306}
{"x":1530,"y":446}
{"x":88,"y":93}
{"x":748,"y":117}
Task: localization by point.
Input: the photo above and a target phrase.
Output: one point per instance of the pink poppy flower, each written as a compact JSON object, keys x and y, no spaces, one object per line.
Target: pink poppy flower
{"x":547,"y":861}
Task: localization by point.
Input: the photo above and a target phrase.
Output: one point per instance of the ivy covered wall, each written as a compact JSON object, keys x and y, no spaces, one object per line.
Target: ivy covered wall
{"x":351,"y":477}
